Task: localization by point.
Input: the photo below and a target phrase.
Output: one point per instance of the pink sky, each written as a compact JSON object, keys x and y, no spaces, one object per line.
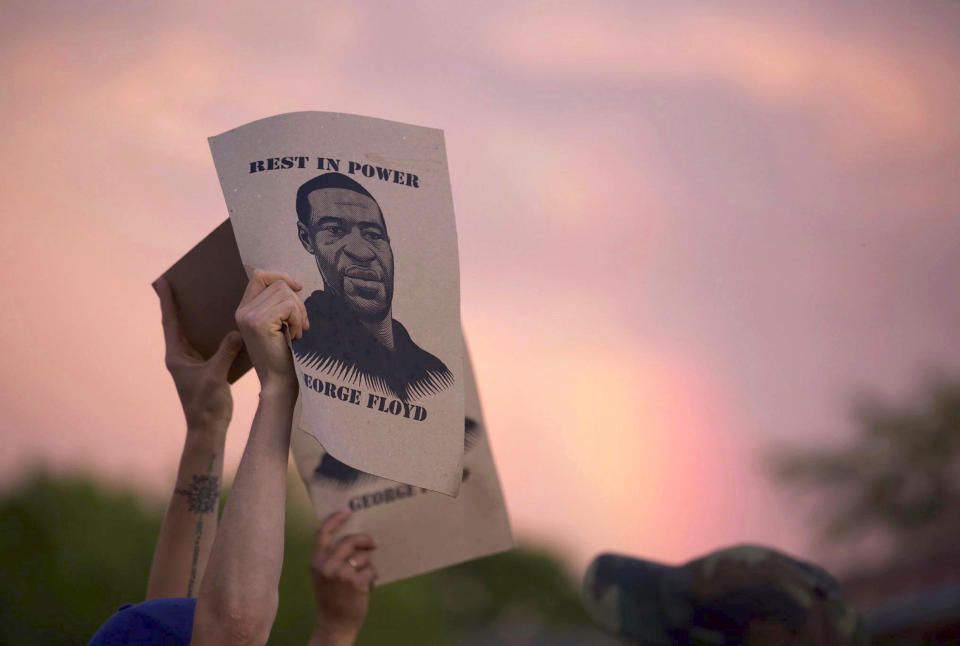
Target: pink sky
{"x":688,"y":233}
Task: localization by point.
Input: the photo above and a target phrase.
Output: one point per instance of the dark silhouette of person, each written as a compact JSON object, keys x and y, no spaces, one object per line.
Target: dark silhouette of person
{"x":353,"y":335}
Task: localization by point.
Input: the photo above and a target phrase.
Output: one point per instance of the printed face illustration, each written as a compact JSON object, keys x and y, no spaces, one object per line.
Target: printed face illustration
{"x":348,"y":238}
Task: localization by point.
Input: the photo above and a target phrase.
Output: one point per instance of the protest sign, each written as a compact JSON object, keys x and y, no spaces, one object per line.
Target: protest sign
{"x":416,"y":530}
{"x":359,"y":211}
{"x":208,"y":283}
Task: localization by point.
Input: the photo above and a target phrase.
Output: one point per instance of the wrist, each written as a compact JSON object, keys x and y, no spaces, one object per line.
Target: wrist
{"x":208,"y":434}
{"x":281,"y":388}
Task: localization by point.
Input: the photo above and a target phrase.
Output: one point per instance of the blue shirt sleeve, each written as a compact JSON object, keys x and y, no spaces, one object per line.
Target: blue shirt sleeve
{"x":158,"y":622}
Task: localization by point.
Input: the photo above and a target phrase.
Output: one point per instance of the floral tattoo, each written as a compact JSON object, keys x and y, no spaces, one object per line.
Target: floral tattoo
{"x":202,"y":494}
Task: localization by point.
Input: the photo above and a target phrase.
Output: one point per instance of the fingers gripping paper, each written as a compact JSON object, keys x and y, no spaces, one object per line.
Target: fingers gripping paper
{"x":359,"y":211}
{"x":416,"y":530}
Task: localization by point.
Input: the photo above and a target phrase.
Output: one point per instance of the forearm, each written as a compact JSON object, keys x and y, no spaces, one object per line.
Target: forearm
{"x":238,"y":595}
{"x":190,"y":524}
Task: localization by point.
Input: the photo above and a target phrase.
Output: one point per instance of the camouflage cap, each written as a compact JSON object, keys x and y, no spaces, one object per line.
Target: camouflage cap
{"x":741,"y":595}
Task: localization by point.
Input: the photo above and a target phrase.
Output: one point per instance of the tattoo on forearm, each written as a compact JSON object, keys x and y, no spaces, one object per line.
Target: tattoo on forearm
{"x":196,"y":557}
{"x":202,"y":494}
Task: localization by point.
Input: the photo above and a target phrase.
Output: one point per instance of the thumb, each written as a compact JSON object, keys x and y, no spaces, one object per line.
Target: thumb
{"x":229,"y":348}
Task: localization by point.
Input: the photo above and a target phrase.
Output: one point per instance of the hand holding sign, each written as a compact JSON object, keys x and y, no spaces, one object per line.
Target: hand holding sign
{"x":268,"y":304}
{"x":201,"y":383}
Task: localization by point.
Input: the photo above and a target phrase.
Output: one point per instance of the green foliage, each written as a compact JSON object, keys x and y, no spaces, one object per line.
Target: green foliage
{"x":72,"y":551}
{"x":516,"y":592}
{"x":899,"y":475}
{"x":71,"y":554}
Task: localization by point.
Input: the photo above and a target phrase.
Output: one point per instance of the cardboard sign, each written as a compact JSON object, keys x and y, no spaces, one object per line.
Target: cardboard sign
{"x":416,"y":530}
{"x":208,"y":283}
{"x":359,"y":211}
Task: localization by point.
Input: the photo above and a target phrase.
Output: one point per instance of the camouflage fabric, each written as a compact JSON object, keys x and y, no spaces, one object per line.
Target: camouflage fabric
{"x":741,"y":595}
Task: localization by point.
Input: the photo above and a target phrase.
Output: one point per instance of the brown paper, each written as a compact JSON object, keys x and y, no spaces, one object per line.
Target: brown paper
{"x":416,"y":530}
{"x":208,"y":283}
{"x":359,"y":211}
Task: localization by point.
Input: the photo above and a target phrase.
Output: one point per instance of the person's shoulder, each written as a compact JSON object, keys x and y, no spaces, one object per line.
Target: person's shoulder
{"x":423,"y":359}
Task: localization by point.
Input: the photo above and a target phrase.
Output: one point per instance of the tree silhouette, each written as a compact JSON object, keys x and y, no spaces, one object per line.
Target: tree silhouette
{"x":898,"y":480}
{"x":72,"y":550}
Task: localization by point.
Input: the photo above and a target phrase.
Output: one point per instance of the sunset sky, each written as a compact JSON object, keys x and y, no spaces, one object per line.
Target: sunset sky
{"x":689,"y":232}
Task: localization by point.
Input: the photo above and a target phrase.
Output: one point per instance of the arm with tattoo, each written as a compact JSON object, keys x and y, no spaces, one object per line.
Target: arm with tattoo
{"x":190,"y":524}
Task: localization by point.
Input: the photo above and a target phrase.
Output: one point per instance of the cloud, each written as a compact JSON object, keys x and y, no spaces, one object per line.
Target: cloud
{"x":853,"y":83}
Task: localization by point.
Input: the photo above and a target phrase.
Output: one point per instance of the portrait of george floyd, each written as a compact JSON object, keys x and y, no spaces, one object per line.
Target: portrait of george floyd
{"x":353,"y":336}
{"x":359,"y":211}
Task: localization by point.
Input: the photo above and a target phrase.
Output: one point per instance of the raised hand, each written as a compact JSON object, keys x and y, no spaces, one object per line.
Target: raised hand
{"x":239,"y":596}
{"x":190,"y":524}
{"x":201,"y":383}
{"x":343,"y":577}
{"x":268,"y":306}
